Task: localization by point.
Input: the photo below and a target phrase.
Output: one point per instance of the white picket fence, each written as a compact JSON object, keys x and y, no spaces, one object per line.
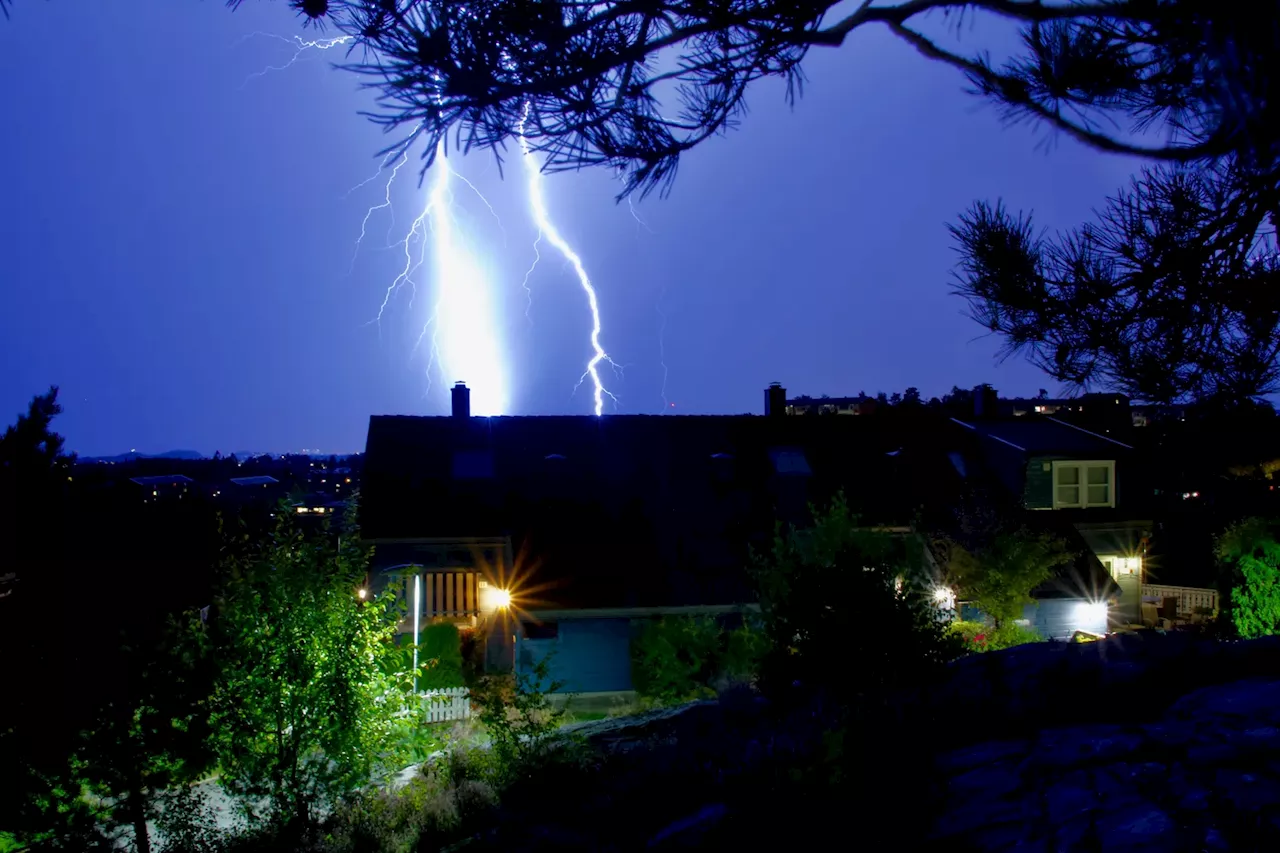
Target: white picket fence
{"x":442,"y":706}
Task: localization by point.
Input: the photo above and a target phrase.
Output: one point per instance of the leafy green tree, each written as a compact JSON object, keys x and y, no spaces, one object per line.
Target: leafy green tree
{"x":999,"y":575}
{"x":1250,"y":554}
{"x":844,"y":608}
{"x":149,"y":732}
{"x":303,"y":711}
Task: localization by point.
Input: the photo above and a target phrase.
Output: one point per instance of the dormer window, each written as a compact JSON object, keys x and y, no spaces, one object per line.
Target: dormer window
{"x":1084,"y":485}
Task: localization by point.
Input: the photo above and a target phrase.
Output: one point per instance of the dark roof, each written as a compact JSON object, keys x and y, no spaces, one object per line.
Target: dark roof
{"x":261,"y":480}
{"x":1039,"y":436}
{"x":162,"y":480}
{"x":626,"y":510}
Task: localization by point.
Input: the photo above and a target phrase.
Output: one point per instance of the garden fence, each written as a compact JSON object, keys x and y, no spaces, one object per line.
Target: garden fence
{"x":452,"y":703}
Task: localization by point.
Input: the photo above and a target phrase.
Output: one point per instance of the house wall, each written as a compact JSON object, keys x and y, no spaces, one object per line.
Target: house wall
{"x":587,"y":655}
{"x":1038,"y":489}
{"x":1060,"y":618}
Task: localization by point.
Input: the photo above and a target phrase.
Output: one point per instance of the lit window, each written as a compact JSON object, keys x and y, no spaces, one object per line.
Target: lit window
{"x":302,"y":510}
{"x":1083,"y":484}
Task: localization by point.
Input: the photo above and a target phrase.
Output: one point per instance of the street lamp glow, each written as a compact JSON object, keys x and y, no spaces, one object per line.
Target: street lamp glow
{"x":362,"y":593}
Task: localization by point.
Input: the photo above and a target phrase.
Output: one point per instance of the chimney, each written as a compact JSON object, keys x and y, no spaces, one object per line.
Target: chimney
{"x":775,"y":400}
{"x":461,"y":400}
{"x":986,"y":402}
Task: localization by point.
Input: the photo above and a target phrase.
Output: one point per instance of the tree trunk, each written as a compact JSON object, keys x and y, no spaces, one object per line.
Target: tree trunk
{"x":137,"y":806}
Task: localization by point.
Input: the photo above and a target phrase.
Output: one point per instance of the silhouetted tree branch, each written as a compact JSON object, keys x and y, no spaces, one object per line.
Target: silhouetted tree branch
{"x":632,"y":84}
{"x":1172,"y":295}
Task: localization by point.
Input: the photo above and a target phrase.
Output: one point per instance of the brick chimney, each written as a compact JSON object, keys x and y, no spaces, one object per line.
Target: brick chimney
{"x":986,"y":402}
{"x":775,"y":400}
{"x":461,"y":400}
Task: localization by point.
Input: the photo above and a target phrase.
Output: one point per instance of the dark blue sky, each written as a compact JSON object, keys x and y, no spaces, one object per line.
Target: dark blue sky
{"x":176,"y":243}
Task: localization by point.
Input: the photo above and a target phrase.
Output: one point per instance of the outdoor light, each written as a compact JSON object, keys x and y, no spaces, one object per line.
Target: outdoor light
{"x":501,"y":599}
{"x":1091,"y":616}
{"x":362,"y":593}
{"x":944,"y":597}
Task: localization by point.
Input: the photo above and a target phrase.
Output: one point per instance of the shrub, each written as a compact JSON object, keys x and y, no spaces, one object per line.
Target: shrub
{"x":522,"y":724}
{"x":440,"y":654}
{"x":1249,"y":553}
{"x":674,"y":659}
{"x":744,"y":649}
{"x":980,"y":637}
{"x":836,"y":616}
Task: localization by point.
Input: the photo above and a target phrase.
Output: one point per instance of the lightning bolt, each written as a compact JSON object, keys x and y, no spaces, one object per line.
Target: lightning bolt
{"x":300,"y":46}
{"x":546,"y":228}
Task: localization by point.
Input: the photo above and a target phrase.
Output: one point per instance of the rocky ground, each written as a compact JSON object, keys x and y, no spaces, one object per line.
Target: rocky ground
{"x":1146,"y":742}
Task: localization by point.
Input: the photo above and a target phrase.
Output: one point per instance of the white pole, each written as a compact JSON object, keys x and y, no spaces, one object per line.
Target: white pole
{"x":417,"y":611}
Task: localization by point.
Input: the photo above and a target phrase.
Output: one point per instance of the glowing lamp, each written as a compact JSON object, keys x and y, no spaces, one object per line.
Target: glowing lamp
{"x":362,"y":593}
{"x":500,"y":598}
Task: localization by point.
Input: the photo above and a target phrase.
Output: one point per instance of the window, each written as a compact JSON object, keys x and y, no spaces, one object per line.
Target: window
{"x":1083,"y":484}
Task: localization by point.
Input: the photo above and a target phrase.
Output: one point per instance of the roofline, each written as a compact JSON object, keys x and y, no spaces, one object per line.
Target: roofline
{"x":641,"y":612}
{"x":1092,"y":433}
{"x":989,"y":435}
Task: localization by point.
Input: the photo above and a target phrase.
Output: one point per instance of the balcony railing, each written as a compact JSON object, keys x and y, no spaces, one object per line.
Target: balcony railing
{"x":1191,"y":600}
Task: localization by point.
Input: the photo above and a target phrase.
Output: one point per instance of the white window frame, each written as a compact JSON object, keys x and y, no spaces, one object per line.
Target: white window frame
{"x":1084,"y":465}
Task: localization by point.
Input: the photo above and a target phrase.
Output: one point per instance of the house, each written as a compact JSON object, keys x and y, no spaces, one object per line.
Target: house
{"x":163,"y":487}
{"x":1082,"y":486}
{"x":564,"y":534}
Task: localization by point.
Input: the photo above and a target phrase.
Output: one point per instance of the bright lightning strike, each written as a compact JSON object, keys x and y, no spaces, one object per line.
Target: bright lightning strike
{"x":546,"y":228}
{"x":300,"y":46}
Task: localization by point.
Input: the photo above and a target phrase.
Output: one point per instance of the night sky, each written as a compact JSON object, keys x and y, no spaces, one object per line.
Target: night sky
{"x":177,"y":248}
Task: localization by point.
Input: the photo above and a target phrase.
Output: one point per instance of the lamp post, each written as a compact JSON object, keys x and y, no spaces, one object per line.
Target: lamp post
{"x":417,"y":611}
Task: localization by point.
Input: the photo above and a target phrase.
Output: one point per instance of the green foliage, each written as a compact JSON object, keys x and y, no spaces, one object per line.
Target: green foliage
{"x":834,"y":615}
{"x":744,"y":650}
{"x":674,"y":658}
{"x":303,"y":710}
{"x":980,"y":637}
{"x":999,"y":576}
{"x":677,"y":658}
{"x":522,"y":724}
{"x":1250,"y":556}
{"x":440,"y":656}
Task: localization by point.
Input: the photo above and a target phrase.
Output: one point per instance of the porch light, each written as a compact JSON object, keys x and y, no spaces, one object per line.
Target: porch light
{"x":362,"y":593}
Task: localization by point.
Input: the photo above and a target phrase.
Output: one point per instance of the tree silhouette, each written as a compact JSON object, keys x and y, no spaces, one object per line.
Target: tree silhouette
{"x":581,"y":82}
{"x":1171,"y":295}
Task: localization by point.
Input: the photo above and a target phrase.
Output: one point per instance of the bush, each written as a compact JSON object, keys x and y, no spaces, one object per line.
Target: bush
{"x":844,"y":610}
{"x":440,"y":655}
{"x":1249,"y":554}
{"x":980,"y":637}
{"x":674,"y":659}
{"x":522,"y":724}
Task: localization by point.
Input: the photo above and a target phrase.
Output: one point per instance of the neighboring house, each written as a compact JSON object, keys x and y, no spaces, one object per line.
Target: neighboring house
{"x":593,"y":525}
{"x":163,"y":487}
{"x":1080,"y":485}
